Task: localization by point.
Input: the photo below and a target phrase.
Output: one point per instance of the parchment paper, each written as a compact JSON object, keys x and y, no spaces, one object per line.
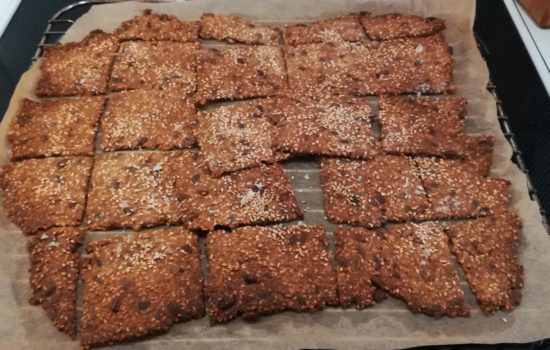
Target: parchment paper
{"x":387,"y":325}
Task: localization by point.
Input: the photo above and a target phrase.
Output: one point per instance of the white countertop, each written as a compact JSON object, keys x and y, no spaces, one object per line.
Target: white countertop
{"x":536,"y":40}
{"x":7,"y":9}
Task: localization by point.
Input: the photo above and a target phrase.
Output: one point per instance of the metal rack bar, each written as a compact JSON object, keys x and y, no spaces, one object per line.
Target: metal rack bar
{"x":51,"y":35}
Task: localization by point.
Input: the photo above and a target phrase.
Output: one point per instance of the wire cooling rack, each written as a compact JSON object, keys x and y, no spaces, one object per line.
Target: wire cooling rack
{"x":64,"y":18}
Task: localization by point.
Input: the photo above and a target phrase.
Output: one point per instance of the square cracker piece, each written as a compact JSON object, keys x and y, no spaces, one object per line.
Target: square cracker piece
{"x":55,"y":128}
{"x":235,"y":136}
{"x":341,"y":28}
{"x":415,"y":265}
{"x":135,"y":190}
{"x":423,"y":125}
{"x":487,"y":250}
{"x":79,"y":68}
{"x":255,"y":271}
{"x":357,"y":261}
{"x":330,"y":125}
{"x":155,"y":64}
{"x":456,"y":191}
{"x":43,"y":193}
{"x":158,"y":27}
{"x":237,"y":29}
{"x":397,"y":66}
{"x":252,"y":196}
{"x":240,"y":72}
{"x":55,"y":264}
{"x":369,"y":193}
{"x":148,"y":119}
{"x":139,"y":284}
{"x":390,"y":26}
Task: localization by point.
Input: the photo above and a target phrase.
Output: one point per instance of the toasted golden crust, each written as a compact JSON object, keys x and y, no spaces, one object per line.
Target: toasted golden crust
{"x":44,"y":193}
{"x":396,"y":25}
{"x":155,"y":64}
{"x":341,"y":28}
{"x":255,"y":271}
{"x":487,"y":250}
{"x":369,"y":193}
{"x":139,"y":284}
{"x":423,"y":125}
{"x":455,"y":191}
{"x":397,"y":66}
{"x":236,"y":136}
{"x":333,"y":126}
{"x":237,"y":29}
{"x":479,"y":153}
{"x":55,"y":264}
{"x":240,"y":72}
{"x":357,"y":260}
{"x":252,"y":196}
{"x":135,"y":190}
{"x":416,"y":266}
{"x":55,"y":128}
{"x":148,"y":119}
{"x":158,"y":27}
{"x":80,"y":68}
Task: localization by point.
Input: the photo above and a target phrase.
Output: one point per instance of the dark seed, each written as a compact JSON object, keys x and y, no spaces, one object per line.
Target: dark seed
{"x":378,"y":198}
{"x":187,"y":248}
{"x":144,"y":305}
{"x":240,"y":60}
{"x":262,"y":293}
{"x":142,"y":140}
{"x":116,"y":184}
{"x":260,"y":73}
{"x":195,"y":178}
{"x":354,"y":200}
{"x":55,"y":178}
{"x":255,"y":188}
{"x":227,"y":303}
{"x":115,"y":305}
{"x":72,"y":204}
{"x":244,"y":143}
{"x":128,"y":211}
{"x":300,"y":300}
{"x":249,"y":279}
{"x":48,"y":290}
{"x":431,"y":130}
{"x":174,"y":309}
{"x":379,"y":295}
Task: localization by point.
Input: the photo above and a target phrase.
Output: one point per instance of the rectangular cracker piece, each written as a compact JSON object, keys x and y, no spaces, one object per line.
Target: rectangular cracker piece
{"x":254,"y":271}
{"x":390,"y":26}
{"x":240,"y":72}
{"x":235,"y":136}
{"x":369,"y":193}
{"x":357,"y":260}
{"x":423,"y":125}
{"x":148,"y":119}
{"x":237,"y":29}
{"x":65,"y":127}
{"x":140,"y":284}
{"x":487,"y":250}
{"x":456,"y":191}
{"x":334,"y":126}
{"x":479,"y":153}
{"x":77,"y":68}
{"x":348,"y":195}
{"x":416,"y":267}
{"x":397,"y":66}
{"x":55,"y":264}
{"x":252,"y":196}
{"x":340,"y":28}
{"x":44,"y":193}
{"x":158,"y":27}
{"x":155,"y":64}
{"x":135,"y":190}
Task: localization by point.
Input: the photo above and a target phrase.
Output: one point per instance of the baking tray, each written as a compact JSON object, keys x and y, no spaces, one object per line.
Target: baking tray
{"x":377,"y":327}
